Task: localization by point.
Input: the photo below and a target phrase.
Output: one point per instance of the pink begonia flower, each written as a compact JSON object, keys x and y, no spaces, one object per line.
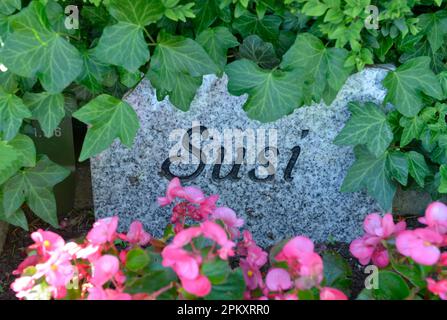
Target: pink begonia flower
{"x":89,"y":252}
{"x":327,"y":293}
{"x":29,"y":261}
{"x":175,"y":190}
{"x":104,"y":269}
{"x":215,"y":232}
{"x":208,"y":205}
{"x":185,"y":264}
{"x":232,"y":222}
{"x":295,"y":248}
{"x":436,"y":217}
{"x":98,"y":293}
{"x":199,"y":286}
{"x":185,"y":236}
{"x":120,"y":278}
{"x":287,"y":296}
{"x":278,"y":279}
{"x":193,"y":195}
{"x":438,"y":288}
{"x":256,"y":256}
{"x":137,"y":235}
{"x":174,"y":187}
{"x":310,"y":270}
{"x":421,"y":245}
{"x":385,"y":227}
{"x":22,"y":284}
{"x":370,"y":247}
{"x":47,"y":242}
{"x":252,"y":275}
{"x":58,"y":270}
{"x":443,"y":259}
{"x":103,"y":231}
{"x":58,"y":292}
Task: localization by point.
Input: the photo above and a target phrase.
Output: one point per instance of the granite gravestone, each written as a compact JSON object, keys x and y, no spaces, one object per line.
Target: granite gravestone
{"x":291,"y":188}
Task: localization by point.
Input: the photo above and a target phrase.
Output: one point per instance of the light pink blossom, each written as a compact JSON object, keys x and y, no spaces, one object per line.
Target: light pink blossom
{"x":231,"y":221}
{"x":327,"y":293}
{"x":58,"y":270}
{"x":436,"y":217}
{"x":421,"y":245}
{"x":438,"y":288}
{"x":103,"y":231}
{"x":370,"y":247}
{"x":137,"y":235}
{"x":98,"y":293}
{"x":199,"y":286}
{"x":185,"y":264}
{"x":278,"y":279}
{"x":47,"y":242}
{"x":104,"y":269}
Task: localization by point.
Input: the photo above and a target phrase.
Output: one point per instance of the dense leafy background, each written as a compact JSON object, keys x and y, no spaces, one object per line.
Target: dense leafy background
{"x":283,"y":54}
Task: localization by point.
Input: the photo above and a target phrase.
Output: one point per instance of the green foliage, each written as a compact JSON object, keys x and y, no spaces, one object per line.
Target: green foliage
{"x":283,"y":54}
{"x":337,"y":272}
{"x":392,"y":287}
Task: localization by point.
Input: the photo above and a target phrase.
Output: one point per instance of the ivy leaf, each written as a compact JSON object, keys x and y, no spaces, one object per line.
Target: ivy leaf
{"x":371,"y":173}
{"x":368,"y":125}
{"x":177,"y":67}
{"x":33,"y":49}
{"x":324,"y":69}
{"x":137,"y":12}
{"x":9,"y":6}
{"x":108,"y":118}
{"x":17,"y":218}
{"x":443,"y":175}
{"x":34,"y":186}
{"x":24,"y":145}
{"x":180,"y":54}
{"x":412,"y":129}
{"x":123,"y":44}
{"x":93,"y":72}
{"x":180,"y":87}
{"x":271,"y":94}
{"x":207,"y":11}
{"x":216,"y":42}
{"x":406,"y":84}
{"x":418,"y":167}
{"x":267,"y":27}
{"x":398,"y":166}
{"x":12,"y":113}
{"x":46,"y":108}
{"x":434,"y":25}
{"x":255,"y":49}
{"x":9,"y":161}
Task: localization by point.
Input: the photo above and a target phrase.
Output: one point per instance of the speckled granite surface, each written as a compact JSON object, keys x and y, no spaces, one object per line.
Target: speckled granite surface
{"x":127,"y":182}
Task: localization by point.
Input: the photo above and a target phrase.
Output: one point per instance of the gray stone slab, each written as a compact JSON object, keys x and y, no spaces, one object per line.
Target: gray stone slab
{"x":126,"y":182}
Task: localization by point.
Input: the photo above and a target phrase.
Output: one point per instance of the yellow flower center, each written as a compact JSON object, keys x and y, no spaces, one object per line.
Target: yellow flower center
{"x":46,"y":244}
{"x":250,"y":273}
{"x":54,"y":267}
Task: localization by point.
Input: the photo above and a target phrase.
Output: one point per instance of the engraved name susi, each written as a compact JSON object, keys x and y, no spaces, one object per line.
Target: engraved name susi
{"x":233,"y":174}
